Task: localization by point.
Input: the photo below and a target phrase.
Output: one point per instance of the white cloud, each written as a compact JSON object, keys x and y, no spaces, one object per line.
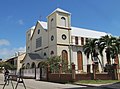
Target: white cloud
{"x":20,"y":49}
{"x":7,"y":53}
{"x":21,"y":22}
{"x":4,"y":42}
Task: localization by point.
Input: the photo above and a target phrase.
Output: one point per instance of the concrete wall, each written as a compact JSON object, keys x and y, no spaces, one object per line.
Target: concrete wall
{"x":44,"y":35}
{"x":20,"y":58}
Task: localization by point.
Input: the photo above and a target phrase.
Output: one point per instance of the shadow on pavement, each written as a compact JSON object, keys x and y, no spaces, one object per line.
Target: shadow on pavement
{"x":89,"y":88}
{"x":112,"y":86}
{"x":1,"y":84}
{"x":108,"y":86}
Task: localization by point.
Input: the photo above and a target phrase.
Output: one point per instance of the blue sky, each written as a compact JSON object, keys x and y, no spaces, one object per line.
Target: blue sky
{"x":16,"y":16}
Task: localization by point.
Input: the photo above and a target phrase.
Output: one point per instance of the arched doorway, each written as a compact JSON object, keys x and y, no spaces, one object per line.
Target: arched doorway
{"x":80,"y":60}
{"x":65,"y":56}
{"x":39,"y":64}
{"x":33,"y":65}
{"x":27,"y":65}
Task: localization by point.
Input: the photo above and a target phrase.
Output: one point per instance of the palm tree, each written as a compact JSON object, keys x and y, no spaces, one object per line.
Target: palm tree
{"x":116,"y":49}
{"x":90,"y":48}
{"x":108,"y":43}
{"x":100,"y":50}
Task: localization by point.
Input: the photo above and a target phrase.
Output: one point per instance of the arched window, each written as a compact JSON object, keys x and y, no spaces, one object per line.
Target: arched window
{"x":51,"y":19}
{"x":27,"y":65}
{"x":63,"y":21}
{"x":45,"y":54}
{"x":52,"y":25}
{"x":65,"y":56}
{"x":80,"y":60}
{"x":33,"y":65}
{"x":38,"y":31}
{"x":52,"y":52}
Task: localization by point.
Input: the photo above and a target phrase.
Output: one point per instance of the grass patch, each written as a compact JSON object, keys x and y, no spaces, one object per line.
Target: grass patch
{"x":96,"y":81}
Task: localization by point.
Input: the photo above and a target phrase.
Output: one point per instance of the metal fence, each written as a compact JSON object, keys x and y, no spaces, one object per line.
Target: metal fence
{"x":38,"y":73}
{"x":13,"y":72}
{"x":28,"y":72}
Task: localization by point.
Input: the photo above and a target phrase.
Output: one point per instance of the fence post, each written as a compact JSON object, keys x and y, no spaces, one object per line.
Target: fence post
{"x":60,"y":68}
{"x":48,"y":71}
{"x":115,"y":71}
{"x":94,"y":70}
{"x":40,"y":68}
{"x":73,"y":72}
{"x":35,"y":73}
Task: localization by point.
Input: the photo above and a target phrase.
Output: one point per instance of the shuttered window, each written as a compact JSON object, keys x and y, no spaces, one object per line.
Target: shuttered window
{"x":38,"y":42}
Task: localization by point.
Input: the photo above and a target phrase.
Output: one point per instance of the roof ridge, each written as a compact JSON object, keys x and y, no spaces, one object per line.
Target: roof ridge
{"x":59,"y":10}
{"x":88,"y":29}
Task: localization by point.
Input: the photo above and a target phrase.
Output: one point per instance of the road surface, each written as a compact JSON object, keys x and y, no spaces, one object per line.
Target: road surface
{"x":33,"y":84}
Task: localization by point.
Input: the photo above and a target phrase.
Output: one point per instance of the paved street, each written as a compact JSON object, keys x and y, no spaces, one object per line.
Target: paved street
{"x":32,"y":84}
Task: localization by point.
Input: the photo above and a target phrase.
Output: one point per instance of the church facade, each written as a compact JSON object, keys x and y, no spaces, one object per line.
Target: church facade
{"x":57,"y":37}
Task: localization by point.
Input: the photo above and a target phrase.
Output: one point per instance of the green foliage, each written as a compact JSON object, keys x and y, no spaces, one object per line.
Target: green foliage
{"x":55,"y":62}
{"x":1,"y":68}
{"x":90,"y":48}
{"x":43,"y":64}
{"x":7,"y":65}
{"x":110,"y":44}
{"x":65,"y":67}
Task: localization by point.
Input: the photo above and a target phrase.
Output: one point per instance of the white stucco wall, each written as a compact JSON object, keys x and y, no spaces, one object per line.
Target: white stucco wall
{"x":20,"y":58}
{"x":44,"y":35}
{"x":29,"y":34}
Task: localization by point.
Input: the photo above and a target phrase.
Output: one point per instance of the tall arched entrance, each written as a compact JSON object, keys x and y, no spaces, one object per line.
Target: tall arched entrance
{"x":65,"y":56}
{"x":80,"y":60}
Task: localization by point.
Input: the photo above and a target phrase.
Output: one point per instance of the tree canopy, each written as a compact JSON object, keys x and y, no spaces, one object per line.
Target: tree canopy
{"x":110,"y":44}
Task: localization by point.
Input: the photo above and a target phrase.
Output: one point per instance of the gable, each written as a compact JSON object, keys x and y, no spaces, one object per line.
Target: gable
{"x":42,"y":25}
{"x":39,"y":39}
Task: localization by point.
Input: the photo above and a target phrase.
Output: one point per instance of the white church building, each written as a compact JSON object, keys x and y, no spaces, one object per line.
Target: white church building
{"x":57,"y":37}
